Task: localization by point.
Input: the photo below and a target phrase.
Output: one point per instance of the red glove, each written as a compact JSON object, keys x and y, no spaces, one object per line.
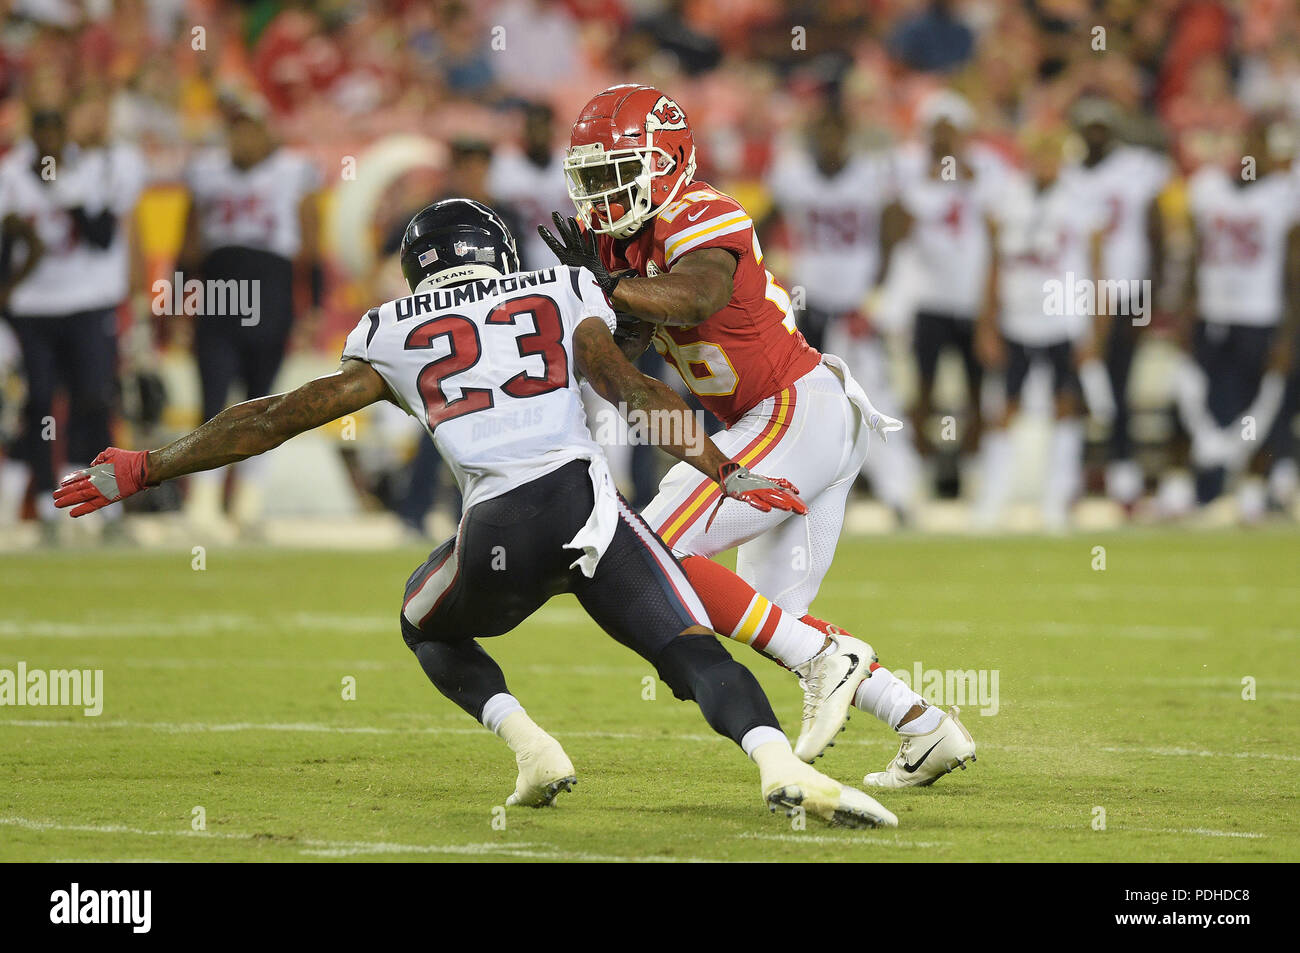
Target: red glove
{"x":113,"y":475}
{"x":762,"y":493}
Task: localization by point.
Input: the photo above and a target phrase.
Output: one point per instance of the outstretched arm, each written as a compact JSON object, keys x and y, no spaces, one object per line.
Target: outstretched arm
{"x":256,"y":426}
{"x":239,"y":432}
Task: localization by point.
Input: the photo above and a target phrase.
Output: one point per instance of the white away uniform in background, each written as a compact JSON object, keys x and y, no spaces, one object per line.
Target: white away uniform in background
{"x":1123,"y":183}
{"x":251,"y":208}
{"x":533,"y":192}
{"x":117,"y":173}
{"x":835,"y":221}
{"x":1045,"y":239}
{"x":56,"y":286}
{"x":487,"y":367}
{"x":835,"y":225}
{"x":949,"y":230}
{"x":1242,"y":231}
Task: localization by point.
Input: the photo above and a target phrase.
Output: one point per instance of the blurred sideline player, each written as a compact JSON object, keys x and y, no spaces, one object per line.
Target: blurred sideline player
{"x":1126,"y":181}
{"x":487,"y":358}
{"x":948,"y":191}
{"x":1241,"y":324}
{"x":725,"y":324}
{"x":832,"y":198}
{"x":115,"y":174}
{"x":1048,"y":234}
{"x":65,"y":322}
{"x":252,"y":218}
{"x":530,"y":180}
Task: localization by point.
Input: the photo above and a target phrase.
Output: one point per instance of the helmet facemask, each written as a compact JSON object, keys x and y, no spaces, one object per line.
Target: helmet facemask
{"x":613,"y":189}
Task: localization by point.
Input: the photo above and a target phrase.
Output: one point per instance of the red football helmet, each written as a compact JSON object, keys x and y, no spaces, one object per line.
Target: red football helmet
{"x":630,"y":153}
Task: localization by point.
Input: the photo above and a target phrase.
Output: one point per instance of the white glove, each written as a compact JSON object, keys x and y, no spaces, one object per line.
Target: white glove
{"x":882,"y":424}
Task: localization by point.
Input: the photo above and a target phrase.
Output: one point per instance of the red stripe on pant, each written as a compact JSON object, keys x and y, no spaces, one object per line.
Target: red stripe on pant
{"x":769,"y":429}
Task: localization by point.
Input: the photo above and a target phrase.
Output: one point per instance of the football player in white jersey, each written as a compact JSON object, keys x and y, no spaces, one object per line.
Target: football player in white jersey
{"x":530,"y":179}
{"x":252,"y":221}
{"x":1243,"y":299}
{"x":1048,"y":237}
{"x":833,"y":199}
{"x":64,"y":321}
{"x":487,"y":358}
{"x":1126,"y":181}
{"x":947,"y":193}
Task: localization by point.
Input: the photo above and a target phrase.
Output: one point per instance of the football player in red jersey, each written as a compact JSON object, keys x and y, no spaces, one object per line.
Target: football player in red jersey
{"x":677,"y":254}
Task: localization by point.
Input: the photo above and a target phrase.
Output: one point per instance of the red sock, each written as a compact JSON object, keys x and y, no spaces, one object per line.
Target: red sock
{"x":735,"y":608}
{"x":826,"y":628}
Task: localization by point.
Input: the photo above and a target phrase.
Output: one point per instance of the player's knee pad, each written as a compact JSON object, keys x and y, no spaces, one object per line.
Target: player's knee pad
{"x":684,"y":663}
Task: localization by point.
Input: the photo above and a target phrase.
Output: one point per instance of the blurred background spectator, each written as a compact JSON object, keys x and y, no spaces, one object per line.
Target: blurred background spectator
{"x":393,"y":103}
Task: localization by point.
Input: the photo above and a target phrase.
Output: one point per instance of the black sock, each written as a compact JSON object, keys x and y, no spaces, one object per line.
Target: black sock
{"x":697,"y":668}
{"x":463,"y":672}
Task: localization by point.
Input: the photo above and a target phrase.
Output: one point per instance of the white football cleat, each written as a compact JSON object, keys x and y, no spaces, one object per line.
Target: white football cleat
{"x":794,"y":785}
{"x":924,"y":759}
{"x":544,"y":771}
{"x":829,"y":682}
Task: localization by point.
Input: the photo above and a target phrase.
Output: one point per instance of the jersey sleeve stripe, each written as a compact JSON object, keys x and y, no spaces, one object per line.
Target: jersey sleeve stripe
{"x":675,"y":526}
{"x":373,"y":317}
{"x":708,"y":224}
{"x":691,"y":238}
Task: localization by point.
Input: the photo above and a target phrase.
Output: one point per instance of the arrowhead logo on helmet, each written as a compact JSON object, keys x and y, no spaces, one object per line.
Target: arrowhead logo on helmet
{"x":630,"y":153}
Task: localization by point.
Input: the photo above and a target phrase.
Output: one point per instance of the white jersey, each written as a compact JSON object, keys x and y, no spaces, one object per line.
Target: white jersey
{"x":251,"y":208}
{"x":950,"y":228}
{"x":1243,"y":233}
{"x":1124,"y":183}
{"x":59,"y":284}
{"x":835,"y":222}
{"x":534,"y":192}
{"x":1045,"y":239}
{"x":487,"y":367}
{"x":117,"y":174}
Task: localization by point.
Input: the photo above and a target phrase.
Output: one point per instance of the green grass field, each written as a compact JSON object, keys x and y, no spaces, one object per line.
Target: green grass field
{"x":1118,"y":689}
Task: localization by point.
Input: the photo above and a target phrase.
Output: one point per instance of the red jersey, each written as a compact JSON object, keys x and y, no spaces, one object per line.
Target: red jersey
{"x":751,"y":349}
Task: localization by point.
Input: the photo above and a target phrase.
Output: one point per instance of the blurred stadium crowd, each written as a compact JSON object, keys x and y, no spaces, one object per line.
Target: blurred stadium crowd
{"x":917,"y":171}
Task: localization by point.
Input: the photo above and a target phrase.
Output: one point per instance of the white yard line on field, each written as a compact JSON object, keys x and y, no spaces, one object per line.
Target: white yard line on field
{"x":1195,"y":831}
{"x":1173,"y":752}
{"x":122,"y":627}
{"x":315,"y":847}
{"x":847,"y":840}
{"x":172,"y":727}
{"x":1186,"y":831}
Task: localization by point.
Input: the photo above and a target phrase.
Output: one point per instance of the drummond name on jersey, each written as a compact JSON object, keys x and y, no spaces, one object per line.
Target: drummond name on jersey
{"x":444,"y":299}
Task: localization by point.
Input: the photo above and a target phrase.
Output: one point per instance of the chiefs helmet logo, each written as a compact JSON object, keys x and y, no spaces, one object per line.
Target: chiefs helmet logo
{"x":666,"y":114}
